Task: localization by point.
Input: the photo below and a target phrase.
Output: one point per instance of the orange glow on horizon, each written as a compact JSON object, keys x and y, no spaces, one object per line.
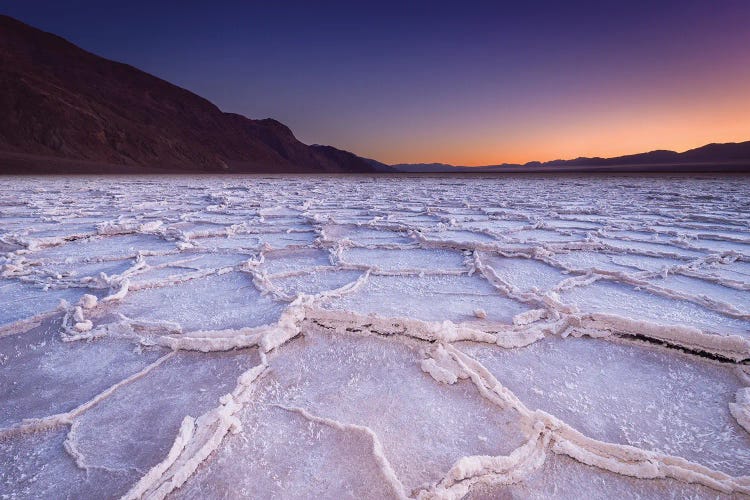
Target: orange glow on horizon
{"x":607,"y":126}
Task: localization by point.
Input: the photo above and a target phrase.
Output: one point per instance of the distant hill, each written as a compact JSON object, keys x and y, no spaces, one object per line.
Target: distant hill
{"x":711,"y":153}
{"x":65,"y":110}
{"x":731,"y":156}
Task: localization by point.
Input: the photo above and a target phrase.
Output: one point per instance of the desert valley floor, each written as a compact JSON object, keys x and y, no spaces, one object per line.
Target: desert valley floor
{"x":374,"y":337}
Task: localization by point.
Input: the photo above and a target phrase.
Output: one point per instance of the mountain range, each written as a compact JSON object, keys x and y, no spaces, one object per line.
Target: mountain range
{"x":66,"y":110}
{"x":732,"y":156}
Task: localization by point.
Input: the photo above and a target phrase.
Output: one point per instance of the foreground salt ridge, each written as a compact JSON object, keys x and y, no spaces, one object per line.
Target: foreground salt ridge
{"x":178,"y":242}
{"x":566,"y":440}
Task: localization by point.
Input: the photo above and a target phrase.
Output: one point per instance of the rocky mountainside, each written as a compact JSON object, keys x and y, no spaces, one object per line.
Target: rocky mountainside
{"x":60,"y":103}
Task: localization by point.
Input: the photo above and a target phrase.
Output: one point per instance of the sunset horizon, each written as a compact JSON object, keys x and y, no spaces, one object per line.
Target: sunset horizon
{"x":524,"y":83}
{"x":572,"y":156}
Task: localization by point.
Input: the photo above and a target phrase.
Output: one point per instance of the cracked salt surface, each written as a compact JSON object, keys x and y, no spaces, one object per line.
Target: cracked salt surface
{"x":325,"y":337}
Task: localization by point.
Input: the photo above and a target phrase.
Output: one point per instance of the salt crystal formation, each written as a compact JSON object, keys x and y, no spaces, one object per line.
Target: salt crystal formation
{"x":374,"y":337}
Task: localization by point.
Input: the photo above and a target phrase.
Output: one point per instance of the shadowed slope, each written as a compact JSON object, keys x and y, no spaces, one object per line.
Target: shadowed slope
{"x":59,"y":101}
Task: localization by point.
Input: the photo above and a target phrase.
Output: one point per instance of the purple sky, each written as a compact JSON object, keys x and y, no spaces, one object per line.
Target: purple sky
{"x":455,"y":82}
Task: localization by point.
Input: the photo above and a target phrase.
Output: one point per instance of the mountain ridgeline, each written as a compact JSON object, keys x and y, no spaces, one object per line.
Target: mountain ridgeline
{"x":65,"y":110}
{"x":729,"y":157}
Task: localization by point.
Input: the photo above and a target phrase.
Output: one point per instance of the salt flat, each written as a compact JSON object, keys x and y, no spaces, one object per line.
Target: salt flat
{"x":374,"y":337}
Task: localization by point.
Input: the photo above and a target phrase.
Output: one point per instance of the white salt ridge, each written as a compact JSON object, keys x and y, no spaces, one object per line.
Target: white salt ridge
{"x":630,"y":302}
{"x":371,"y":345}
{"x":714,"y":295}
{"x":674,"y":404}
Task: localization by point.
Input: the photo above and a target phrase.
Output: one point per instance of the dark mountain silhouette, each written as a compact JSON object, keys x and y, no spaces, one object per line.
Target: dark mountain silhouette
{"x":711,"y":153}
{"x":65,"y":110}
{"x":733,"y":156}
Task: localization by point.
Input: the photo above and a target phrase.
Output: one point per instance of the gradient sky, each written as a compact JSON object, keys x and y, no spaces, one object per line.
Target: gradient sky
{"x":466,"y":83}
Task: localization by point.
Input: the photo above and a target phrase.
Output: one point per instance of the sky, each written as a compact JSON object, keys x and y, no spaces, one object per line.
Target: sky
{"x":465,"y":83}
